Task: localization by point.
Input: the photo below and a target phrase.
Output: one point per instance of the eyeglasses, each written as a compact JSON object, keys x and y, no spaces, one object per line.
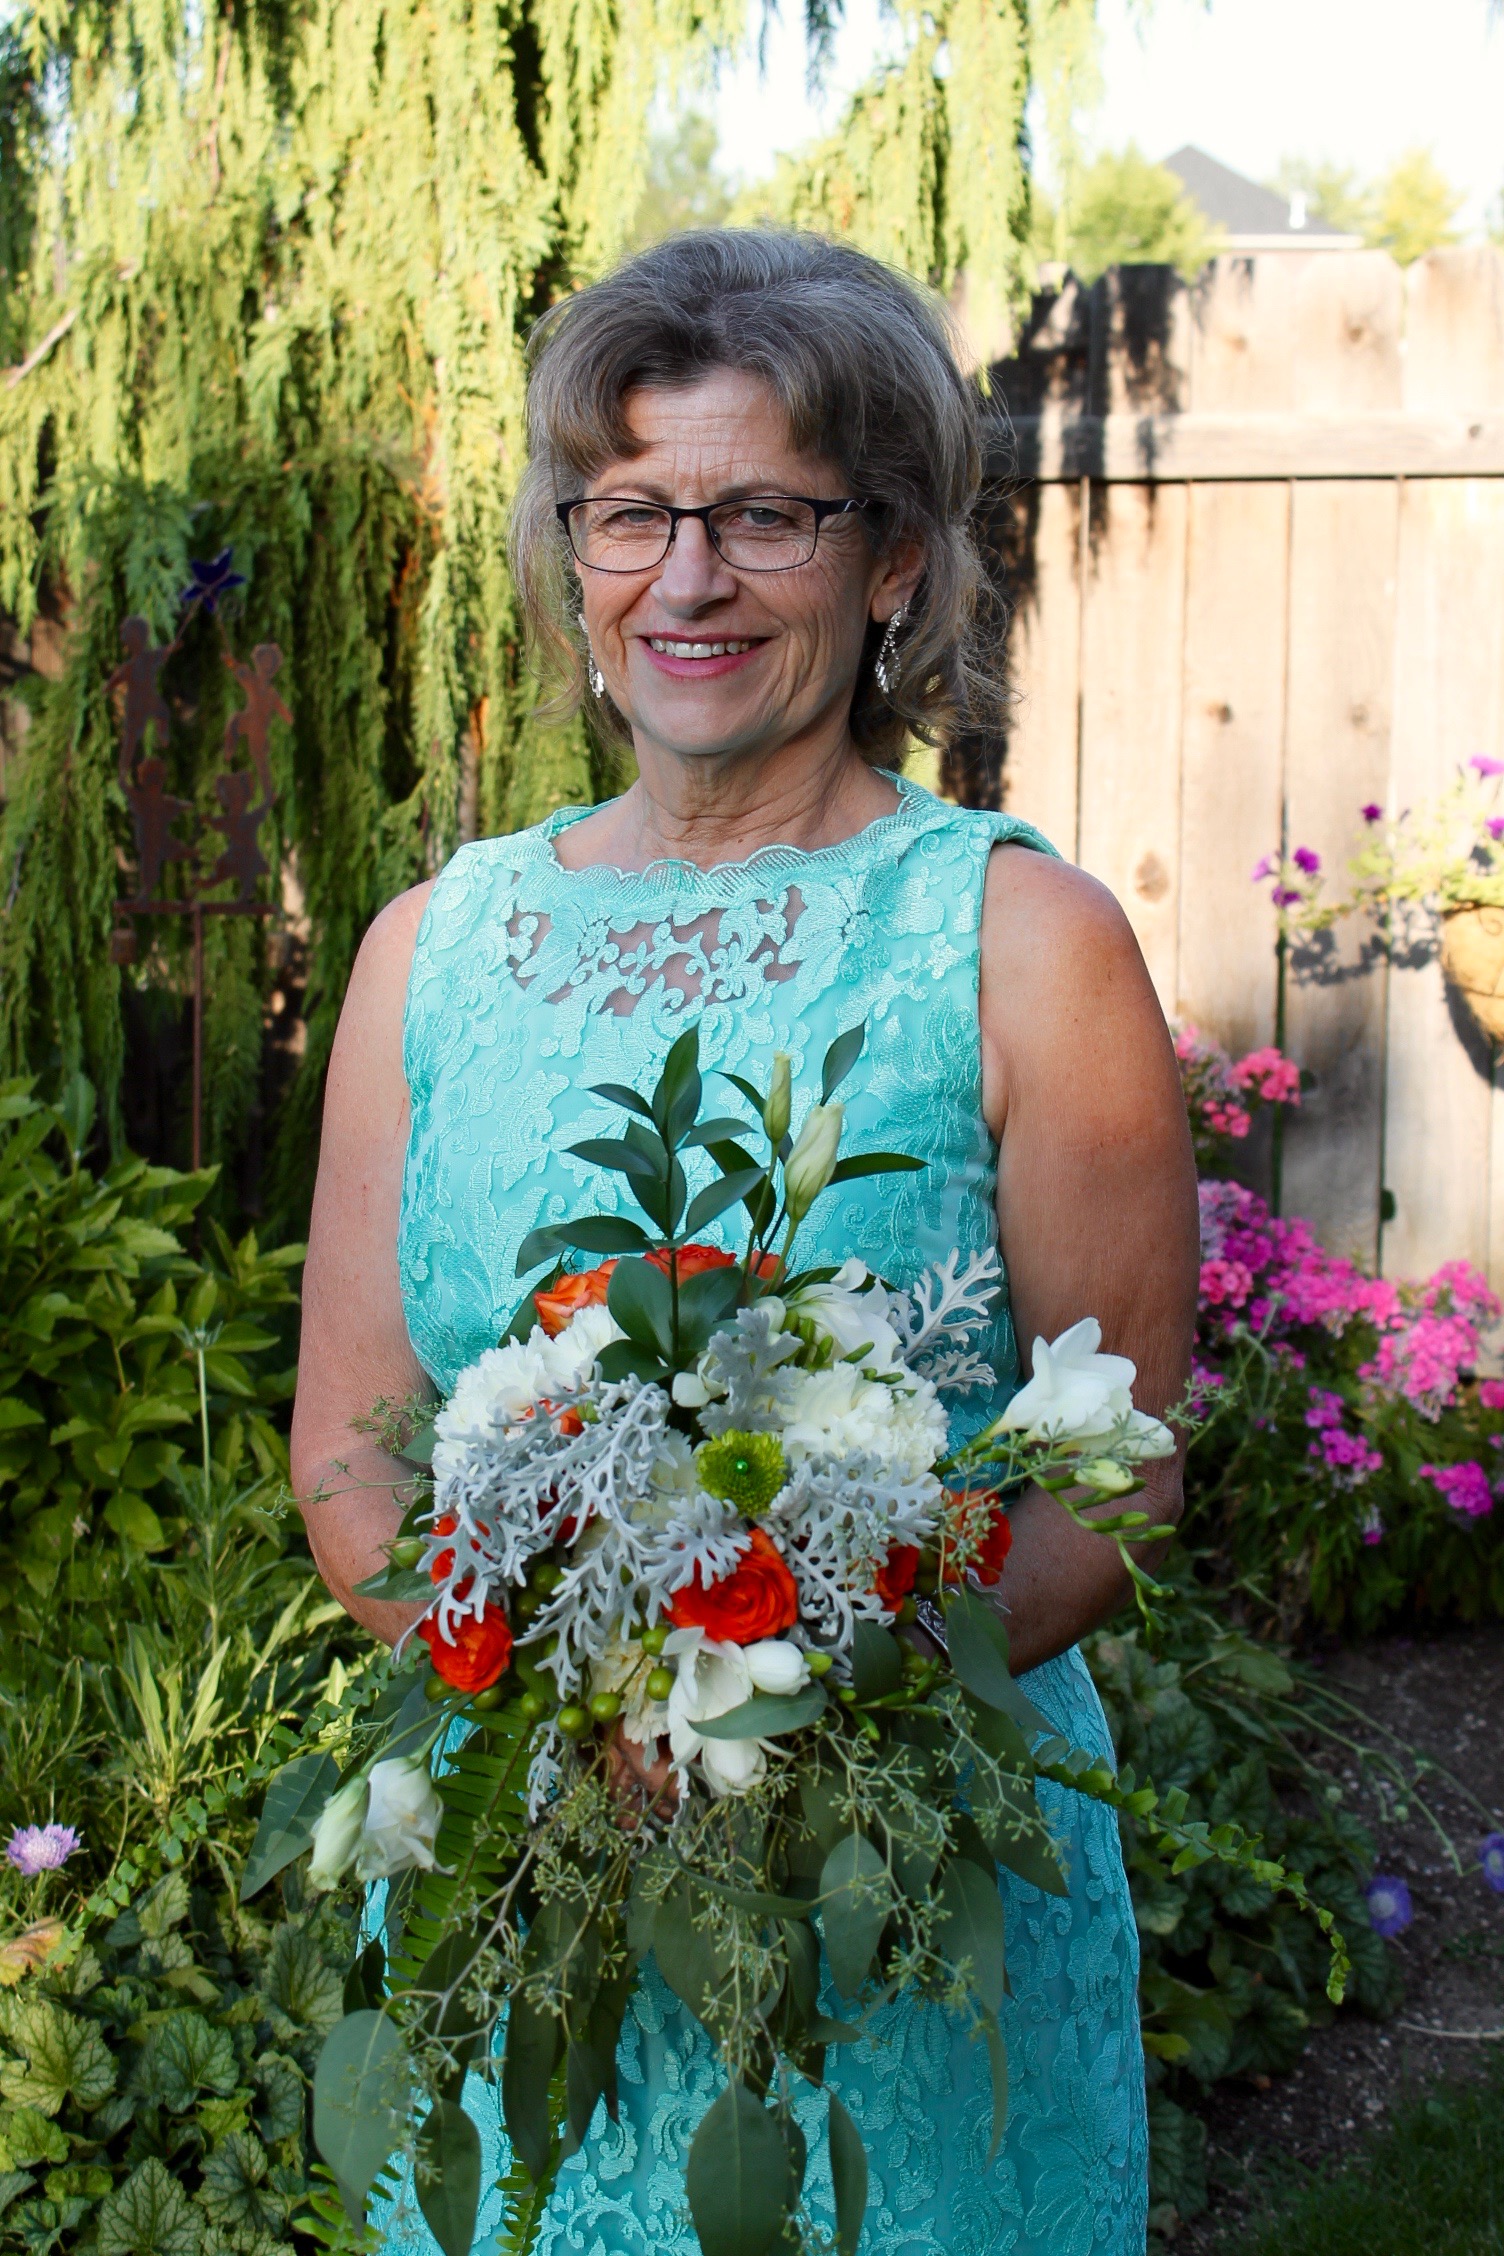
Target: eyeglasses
{"x":763,"y":533}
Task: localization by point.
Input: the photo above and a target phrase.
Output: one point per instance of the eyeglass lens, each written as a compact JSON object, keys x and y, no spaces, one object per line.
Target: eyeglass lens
{"x":767,"y":534}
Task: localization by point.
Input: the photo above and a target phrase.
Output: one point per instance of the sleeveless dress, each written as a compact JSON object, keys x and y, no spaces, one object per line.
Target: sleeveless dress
{"x":529,"y":982}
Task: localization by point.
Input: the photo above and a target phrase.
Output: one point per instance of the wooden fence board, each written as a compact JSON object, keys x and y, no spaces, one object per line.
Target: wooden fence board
{"x":1231,"y":762}
{"x":1167,"y":449}
{"x":1342,"y":594}
{"x":1045,"y":648}
{"x":1131,"y":642}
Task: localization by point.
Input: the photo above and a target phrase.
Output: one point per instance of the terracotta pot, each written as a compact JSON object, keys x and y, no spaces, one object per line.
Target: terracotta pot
{"x":1472,"y":956}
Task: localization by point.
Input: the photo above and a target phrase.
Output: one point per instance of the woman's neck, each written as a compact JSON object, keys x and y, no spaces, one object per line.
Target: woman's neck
{"x":706,"y":810}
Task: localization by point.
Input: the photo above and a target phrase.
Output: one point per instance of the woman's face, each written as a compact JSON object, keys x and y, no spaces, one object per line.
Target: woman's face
{"x":703,"y":660}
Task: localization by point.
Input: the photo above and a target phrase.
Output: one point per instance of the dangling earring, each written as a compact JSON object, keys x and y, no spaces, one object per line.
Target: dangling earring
{"x":886,"y":666}
{"x":597,"y":678}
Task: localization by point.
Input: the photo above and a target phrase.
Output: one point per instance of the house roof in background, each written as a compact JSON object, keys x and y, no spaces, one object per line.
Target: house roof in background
{"x":1241,"y":207}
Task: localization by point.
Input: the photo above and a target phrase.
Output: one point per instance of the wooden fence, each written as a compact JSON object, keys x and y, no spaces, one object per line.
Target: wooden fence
{"x":1257,"y":557}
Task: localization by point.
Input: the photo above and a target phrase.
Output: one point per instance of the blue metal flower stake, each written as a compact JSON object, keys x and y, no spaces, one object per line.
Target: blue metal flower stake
{"x":245,"y":794}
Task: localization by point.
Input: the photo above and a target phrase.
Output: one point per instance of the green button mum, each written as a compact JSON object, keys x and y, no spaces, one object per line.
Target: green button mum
{"x":746,"y":1469}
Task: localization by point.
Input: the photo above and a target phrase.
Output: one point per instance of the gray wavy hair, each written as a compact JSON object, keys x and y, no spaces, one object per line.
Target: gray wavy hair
{"x":862,"y":362}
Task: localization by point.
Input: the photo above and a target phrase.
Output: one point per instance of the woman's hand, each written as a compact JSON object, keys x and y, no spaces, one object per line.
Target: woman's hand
{"x":640,"y":1779}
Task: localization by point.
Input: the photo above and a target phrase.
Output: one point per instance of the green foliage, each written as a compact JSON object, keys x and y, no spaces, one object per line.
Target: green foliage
{"x":161,"y":1615}
{"x":1407,"y":211}
{"x":154,"y":2094}
{"x":1432,"y":2179}
{"x":1124,"y":211}
{"x":682,"y":188}
{"x":1233,"y":1975}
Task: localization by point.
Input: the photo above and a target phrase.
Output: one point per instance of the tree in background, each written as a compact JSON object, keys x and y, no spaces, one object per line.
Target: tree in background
{"x":1407,"y":211}
{"x":268,"y":271}
{"x":683,"y":188}
{"x":1124,"y":211}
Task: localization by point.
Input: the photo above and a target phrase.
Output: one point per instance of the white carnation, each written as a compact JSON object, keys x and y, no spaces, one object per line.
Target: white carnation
{"x":571,"y":1356}
{"x":838,"y":1413}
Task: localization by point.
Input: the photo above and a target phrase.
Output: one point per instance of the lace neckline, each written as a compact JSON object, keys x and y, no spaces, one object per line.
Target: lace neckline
{"x":774,"y":859}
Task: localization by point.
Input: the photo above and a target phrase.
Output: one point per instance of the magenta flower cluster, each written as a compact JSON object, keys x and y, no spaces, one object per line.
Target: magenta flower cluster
{"x":1466,"y":1487}
{"x":1220,"y":1092}
{"x":1349,"y":1457}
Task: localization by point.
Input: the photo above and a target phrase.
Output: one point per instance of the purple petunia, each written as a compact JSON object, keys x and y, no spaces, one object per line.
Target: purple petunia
{"x":1284,"y":897}
{"x":1266,"y":868}
{"x":1491,"y":1857}
{"x":1372,"y":813}
{"x":1495,"y":827}
{"x":1390,"y":1910}
{"x":1485,"y":766}
{"x":1306,"y":858}
{"x":40,"y":1848}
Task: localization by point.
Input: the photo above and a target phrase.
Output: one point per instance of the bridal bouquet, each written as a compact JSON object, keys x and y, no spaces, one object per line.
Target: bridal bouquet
{"x":712,"y":1677}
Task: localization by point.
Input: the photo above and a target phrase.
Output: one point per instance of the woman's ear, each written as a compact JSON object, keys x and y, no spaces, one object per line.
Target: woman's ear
{"x":903,"y":570}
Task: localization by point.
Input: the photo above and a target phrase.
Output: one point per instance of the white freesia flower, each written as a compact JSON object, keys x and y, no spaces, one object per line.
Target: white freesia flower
{"x":1078,"y":1395}
{"x":776,"y":1665}
{"x":851,"y":1311}
{"x":712,"y":1679}
{"x":338,"y":1828}
{"x":838,"y":1413}
{"x":403,"y":1816}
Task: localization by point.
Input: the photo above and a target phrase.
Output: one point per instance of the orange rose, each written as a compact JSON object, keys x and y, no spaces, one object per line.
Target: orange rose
{"x":481,"y":1651}
{"x":979,"y":1521}
{"x":757,"y":1599}
{"x":443,"y":1564}
{"x":895,"y":1577}
{"x":583,"y":1288}
{"x":693,"y":1260}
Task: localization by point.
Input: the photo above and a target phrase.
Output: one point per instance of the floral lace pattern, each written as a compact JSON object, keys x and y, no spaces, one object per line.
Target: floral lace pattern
{"x":531,"y":981}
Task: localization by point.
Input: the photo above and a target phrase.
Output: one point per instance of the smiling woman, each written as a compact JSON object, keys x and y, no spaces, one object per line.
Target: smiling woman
{"x":744,"y":539}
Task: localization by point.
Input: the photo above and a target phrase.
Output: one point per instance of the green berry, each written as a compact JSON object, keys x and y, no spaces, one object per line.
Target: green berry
{"x":820,"y":1664}
{"x":435,"y":1688}
{"x":491,"y":1697}
{"x":407,"y":1550}
{"x":606,"y":1706}
{"x":654,"y":1639}
{"x":547,"y":1576}
{"x":660,"y":1683}
{"x":908,"y":1611}
{"x":847,"y":1695}
{"x":527,"y":1603}
{"x":573,"y":1721}
{"x":535,"y":1706}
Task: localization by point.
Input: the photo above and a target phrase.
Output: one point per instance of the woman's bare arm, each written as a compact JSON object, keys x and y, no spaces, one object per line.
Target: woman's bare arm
{"x":355,"y":1349}
{"x":1096,"y":1194}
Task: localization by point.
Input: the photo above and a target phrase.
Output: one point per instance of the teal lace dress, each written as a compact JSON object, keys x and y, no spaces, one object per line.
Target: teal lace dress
{"x":531,"y":981}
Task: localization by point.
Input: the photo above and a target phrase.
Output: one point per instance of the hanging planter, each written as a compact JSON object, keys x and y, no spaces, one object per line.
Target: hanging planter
{"x":1472,"y":957}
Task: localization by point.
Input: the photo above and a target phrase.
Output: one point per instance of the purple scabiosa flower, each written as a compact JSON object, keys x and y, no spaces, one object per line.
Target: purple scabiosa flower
{"x":1390,"y":1910}
{"x":1491,"y":1857}
{"x":40,"y":1848}
{"x":1484,"y":766}
{"x":1306,"y":858}
{"x":1372,"y":813}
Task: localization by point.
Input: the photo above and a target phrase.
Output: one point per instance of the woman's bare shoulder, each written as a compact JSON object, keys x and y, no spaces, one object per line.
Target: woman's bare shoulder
{"x":1051,"y":921}
{"x":370,"y":1023}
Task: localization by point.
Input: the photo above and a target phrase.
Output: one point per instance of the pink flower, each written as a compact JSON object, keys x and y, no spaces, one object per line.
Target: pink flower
{"x":1306,"y":858}
{"x":1465,"y":1487}
{"x":1491,"y":1394}
{"x":1372,"y":813}
{"x":1495,"y":827}
{"x":1271,"y":1076}
{"x":1268,"y":867}
{"x":1485,"y":766}
{"x":40,"y":1848}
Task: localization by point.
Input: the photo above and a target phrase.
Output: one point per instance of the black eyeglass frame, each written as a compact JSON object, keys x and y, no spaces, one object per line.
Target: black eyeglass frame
{"x":564,"y":510}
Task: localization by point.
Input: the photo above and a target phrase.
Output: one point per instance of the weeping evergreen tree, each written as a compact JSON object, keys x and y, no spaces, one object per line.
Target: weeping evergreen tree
{"x":267,"y":269}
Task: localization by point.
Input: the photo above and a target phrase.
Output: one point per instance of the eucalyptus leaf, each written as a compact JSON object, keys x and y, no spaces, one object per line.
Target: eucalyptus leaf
{"x":1014,"y":1829}
{"x":767,"y":1715}
{"x":447,"y":2176}
{"x":876,"y":1662}
{"x":855,"y":1903}
{"x":979,"y":1656}
{"x":973,"y":1932}
{"x":294,"y":1801}
{"x":400,"y":1585}
{"x":848,"y":2177}
{"x":534,"y":2039}
{"x":738,"y":2177}
{"x":360,"y":2094}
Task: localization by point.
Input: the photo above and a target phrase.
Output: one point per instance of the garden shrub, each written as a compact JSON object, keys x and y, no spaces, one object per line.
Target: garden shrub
{"x":155,"y":2092}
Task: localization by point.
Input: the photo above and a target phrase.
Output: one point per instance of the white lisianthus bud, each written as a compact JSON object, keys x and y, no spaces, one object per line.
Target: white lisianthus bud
{"x":775,"y":1665}
{"x":337,"y":1830}
{"x":775,"y":1112}
{"x":812,"y":1161}
{"x":402,"y":1820}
